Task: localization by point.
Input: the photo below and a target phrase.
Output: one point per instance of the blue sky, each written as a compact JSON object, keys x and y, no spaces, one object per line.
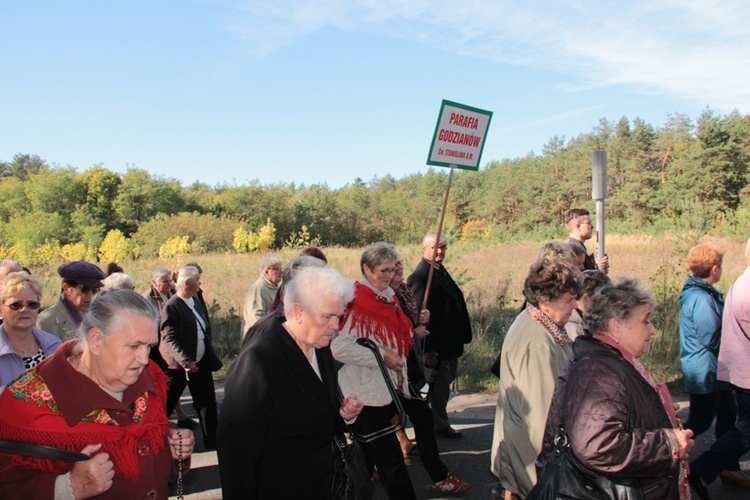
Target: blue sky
{"x":330,"y":90}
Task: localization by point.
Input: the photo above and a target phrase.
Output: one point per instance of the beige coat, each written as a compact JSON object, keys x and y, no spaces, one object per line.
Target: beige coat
{"x":57,"y":321}
{"x":257,"y":300}
{"x":530,"y":362}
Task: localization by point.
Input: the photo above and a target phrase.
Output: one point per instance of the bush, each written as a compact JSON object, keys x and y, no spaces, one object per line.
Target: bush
{"x":207,"y":233}
{"x":116,"y":247}
{"x":244,"y":241}
{"x":175,"y":247}
{"x":77,"y":251}
{"x":301,"y":240}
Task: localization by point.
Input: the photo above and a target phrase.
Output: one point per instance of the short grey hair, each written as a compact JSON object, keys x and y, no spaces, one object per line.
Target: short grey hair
{"x":267,"y":263}
{"x":117,"y":281}
{"x":312,"y":287}
{"x":377,"y":253}
{"x":159,"y":273}
{"x":431,"y":237}
{"x":108,"y":305}
{"x":184,"y":274}
{"x":615,"y":302}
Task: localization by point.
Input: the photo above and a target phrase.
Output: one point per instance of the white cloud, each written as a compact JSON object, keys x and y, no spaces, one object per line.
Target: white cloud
{"x":688,"y":49}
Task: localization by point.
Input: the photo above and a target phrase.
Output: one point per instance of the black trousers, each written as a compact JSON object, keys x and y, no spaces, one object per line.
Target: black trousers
{"x":703,"y":409}
{"x":420,"y":414}
{"x":730,"y":446}
{"x":385,"y":452}
{"x":201,"y":385}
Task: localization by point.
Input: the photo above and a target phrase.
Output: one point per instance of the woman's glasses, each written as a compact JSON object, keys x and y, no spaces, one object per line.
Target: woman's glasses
{"x":31,"y":305}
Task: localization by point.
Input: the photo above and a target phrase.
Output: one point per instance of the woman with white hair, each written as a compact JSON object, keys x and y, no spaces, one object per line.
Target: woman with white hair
{"x":186,"y":347}
{"x":281,"y":405}
{"x":118,"y":281}
{"x":100,"y":396}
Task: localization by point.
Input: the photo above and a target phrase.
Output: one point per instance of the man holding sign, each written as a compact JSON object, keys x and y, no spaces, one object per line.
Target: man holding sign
{"x":450,"y":327}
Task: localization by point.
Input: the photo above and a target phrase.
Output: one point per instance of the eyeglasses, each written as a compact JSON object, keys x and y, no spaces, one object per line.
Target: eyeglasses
{"x":388,"y":270}
{"x":31,"y":305}
{"x":86,"y":289}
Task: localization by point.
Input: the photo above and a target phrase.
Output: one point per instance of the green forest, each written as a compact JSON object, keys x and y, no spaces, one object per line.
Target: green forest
{"x":687,"y":174}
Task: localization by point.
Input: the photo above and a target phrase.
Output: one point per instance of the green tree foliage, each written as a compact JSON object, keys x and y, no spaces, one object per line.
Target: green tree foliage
{"x":684,"y":174}
{"x":22,"y":167}
{"x":141,"y":197}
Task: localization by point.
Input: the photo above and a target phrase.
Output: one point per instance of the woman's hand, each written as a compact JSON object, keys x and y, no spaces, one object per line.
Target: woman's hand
{"x":191,"y":367}
{"x":188,"y":443}
{"x":393,"y":360}
{"x":350,"y":408}
{"x":424,"y":316}
{"x":685,"y":441}
{"x":421,"y":332}
{"x":93,"y":476}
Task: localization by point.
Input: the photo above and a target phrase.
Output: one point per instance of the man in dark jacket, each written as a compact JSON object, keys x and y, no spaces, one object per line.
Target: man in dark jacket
{"x":449,"y":326}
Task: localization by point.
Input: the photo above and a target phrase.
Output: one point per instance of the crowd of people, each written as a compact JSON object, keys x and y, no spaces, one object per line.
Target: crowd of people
{"x":88,"y":385}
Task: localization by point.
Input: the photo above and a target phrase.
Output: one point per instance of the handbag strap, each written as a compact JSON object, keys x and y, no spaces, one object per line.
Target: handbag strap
{"x":553,"y":464}
{"x":40,"y":451}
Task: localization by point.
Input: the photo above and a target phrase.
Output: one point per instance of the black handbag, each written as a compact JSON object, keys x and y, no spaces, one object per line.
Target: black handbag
{"x":40,"y":451}
{"x":214,"y":362}
{"x":565,"y":478}
{"x":351,"y":478}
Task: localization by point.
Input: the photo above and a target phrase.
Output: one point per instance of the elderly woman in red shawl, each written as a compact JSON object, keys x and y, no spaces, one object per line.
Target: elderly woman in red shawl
{"x":98,"y":395}
{"x":375,"y":314}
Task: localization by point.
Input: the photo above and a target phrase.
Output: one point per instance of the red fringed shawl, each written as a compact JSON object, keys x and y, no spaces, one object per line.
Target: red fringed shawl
{"x":374,"y":317}
{"x":30,"y":411}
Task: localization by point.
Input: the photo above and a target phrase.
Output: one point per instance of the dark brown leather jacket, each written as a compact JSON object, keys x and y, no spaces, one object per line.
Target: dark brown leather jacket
{"x":615,"y":420}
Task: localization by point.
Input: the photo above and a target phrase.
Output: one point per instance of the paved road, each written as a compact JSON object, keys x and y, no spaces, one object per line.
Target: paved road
{"x":469,"y":456}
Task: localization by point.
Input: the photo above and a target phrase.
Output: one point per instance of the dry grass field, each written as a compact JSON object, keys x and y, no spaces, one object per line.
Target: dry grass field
{"x":491,"y":276}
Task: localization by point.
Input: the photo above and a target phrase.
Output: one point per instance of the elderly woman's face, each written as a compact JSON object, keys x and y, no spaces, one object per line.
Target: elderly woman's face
{"x":559,"y":310}
{"x":380,"y":277}
{"x":398,"y":276}
{"x":118,"y":359}
{"x":20,"y":309}
{"x":635,"y":333}
{"x":316,"y":328}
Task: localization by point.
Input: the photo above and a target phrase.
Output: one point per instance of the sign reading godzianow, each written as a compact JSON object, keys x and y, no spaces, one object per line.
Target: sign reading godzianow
{"x":459,"y":136}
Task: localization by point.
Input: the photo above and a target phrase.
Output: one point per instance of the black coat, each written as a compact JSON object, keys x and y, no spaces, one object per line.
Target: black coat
{"x":275,"y":436}
{"x":179,"y":334}
{"x":449,"y":326}
{"x":614,"y":418}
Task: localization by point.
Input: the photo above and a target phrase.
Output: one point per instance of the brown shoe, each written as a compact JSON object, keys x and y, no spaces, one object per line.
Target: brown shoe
{"x":735,"y":476}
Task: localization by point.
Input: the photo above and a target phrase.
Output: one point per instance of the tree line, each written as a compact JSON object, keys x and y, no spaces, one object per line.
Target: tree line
{"x":684,"y":174}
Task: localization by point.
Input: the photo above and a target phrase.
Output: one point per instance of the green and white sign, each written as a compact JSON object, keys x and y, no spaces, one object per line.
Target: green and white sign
{"x":459,"y":136}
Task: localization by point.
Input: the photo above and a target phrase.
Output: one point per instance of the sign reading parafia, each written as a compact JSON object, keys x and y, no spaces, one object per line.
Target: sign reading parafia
{"x":459,"y":136}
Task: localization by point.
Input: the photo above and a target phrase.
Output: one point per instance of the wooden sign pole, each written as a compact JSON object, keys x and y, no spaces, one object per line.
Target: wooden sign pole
{"x":437,"y":238}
